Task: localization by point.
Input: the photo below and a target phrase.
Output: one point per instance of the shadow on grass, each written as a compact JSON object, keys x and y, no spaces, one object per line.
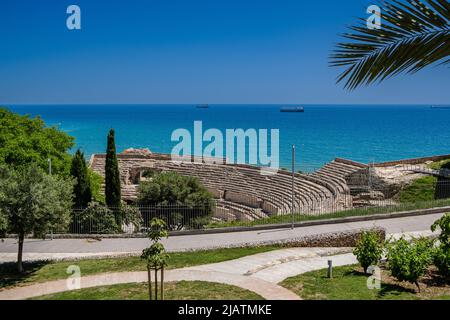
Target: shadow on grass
{"x":393,"y":290}
{"x":9,"y":276}
{"x":355,"y":273}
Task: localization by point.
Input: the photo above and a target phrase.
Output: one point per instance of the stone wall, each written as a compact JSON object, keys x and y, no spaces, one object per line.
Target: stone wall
{"x":334,"y":239}
{"x":412,"y":161}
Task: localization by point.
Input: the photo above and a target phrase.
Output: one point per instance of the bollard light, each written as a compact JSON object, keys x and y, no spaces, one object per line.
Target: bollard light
{"x":330,"y":269}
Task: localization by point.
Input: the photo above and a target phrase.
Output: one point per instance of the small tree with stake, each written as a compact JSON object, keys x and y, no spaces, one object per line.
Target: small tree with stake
{"x":156,"y":256}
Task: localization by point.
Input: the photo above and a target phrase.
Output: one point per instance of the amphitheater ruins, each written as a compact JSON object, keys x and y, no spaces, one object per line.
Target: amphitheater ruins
{"x":243,"y":193}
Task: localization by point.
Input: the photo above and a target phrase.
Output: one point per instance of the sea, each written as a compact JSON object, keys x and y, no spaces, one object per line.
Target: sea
{"x":364,"y":133}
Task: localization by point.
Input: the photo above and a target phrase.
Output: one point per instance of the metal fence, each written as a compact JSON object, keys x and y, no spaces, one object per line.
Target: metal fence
{"x":247,"y":210}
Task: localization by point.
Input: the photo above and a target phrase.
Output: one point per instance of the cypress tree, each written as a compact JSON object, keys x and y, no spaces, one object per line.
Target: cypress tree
{"x":112,"y":176}
{"x":82,"y":189}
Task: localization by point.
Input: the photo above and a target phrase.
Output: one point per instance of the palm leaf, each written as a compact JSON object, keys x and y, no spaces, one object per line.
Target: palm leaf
{"x":413,"y":35}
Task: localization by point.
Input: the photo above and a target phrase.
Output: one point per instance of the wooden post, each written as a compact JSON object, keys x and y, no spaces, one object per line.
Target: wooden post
{"x":149,"y":271}
{"x":162,"y":283}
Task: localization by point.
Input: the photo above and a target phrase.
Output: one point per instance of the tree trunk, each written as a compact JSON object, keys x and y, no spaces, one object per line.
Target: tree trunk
{"x":156,"y":282}
{"x":19,"y":253}
{"x":162,"y":283}
{"x":149,"y":271}
{"x":418,"y":286}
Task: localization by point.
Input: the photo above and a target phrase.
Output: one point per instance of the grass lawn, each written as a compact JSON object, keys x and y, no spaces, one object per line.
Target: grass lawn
{"x":422,"y":189}
{"x":47,"y":271}
{"x":182,"y":290}
{"x":349,"y":283}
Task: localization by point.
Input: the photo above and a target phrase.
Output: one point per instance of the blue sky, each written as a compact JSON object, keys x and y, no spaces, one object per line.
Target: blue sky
{"x":189,"y":51}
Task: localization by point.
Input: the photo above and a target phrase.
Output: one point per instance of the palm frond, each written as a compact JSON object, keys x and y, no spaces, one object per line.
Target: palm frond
{"x":413,"y":35}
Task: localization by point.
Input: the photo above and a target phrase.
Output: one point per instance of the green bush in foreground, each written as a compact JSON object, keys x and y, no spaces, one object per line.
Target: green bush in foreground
{"x":441,"y":259}
{"x":444,"y":224}
{"x":369,"y":249}
{"x":408,"y":261}
{"x":441,"y":255}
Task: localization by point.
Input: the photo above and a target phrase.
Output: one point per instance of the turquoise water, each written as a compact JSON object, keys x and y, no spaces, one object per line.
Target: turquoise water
{"x":321,"y":133}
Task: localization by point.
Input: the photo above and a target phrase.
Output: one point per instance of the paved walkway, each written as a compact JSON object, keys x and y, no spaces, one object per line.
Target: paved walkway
{"x":81,"y":247}
{"x":259,"y":273}
{"x":275,"y":266}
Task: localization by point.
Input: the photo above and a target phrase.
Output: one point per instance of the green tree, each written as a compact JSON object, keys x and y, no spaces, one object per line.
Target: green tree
{"x":155,"y":255}
{"x":112,"y":174}
{"x":180,"y":200}
{"x":82,"y":189}
{"x":369,"y":249}
{"x":412,"y":35}
{"x":33,"y":202}
{"x":25,"y":140}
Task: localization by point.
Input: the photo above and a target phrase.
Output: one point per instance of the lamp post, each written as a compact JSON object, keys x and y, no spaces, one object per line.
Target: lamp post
{"x":50,"y":173}
{"x":293,"y":177}
{"x":49,"y":166}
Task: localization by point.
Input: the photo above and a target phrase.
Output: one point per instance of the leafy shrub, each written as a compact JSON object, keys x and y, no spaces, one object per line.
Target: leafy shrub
{"x":199,"y":222}
{"x":441,"y":255}
{"x":369,"y":249}
{"x":441,"y":259}
{"x":177,"y":199}
{"x":444,"y":224}
{"x":131,"y":217}
{"x":408,"y":261}
{"x":96,"y":218}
